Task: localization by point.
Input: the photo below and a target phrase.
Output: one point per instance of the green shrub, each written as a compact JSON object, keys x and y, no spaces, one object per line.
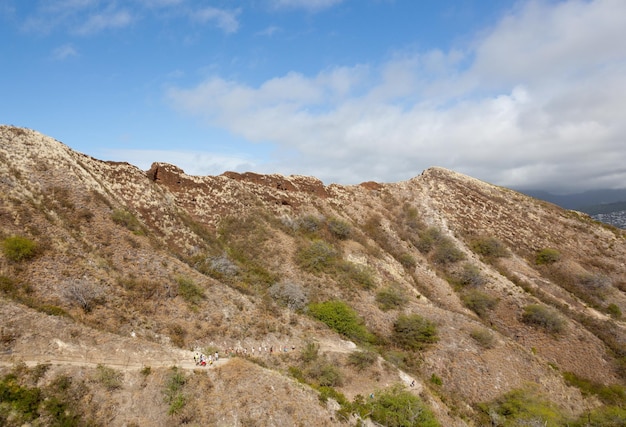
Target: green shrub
{"x":128,"y":220}
{"x":483,"y":337}
{"x":614,"y":311}
{"x":108,"y":377}
{"x":470,"y":275}
{"x":413,"y":332}
{"x":317,"y":257}
{"x":436,"y":379}
{"x":543,"y":317}
{"x":391,"y":297}
{"x":447,"y":253}
{"x":325,"y":375}
{"x":407,"y":260}
{"x":489,"y":247}
{"x":310,"y":224}
{"x":547,"y":256}
{"x":428,"y":239}
{"x":613,"y":395}
{"x":479,"y":302}
{"x":396,"y":407}
{"x":174,"y":395}
{"x":605,"y":416}
{"x":341,"y":318}
{"x":356,"y":274}
{"x":339,"y":228}
{"x":189,"y":291}
{"x":523,"y":407}
{"x":310,"y":352}
{"x":362,"y":359}
{"x":18,"y":248}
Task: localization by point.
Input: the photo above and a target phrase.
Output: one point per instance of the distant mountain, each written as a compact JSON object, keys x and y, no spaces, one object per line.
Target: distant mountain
{"x":586,"y":201}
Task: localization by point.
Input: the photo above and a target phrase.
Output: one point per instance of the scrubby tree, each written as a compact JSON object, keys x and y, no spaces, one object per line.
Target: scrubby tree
{"x":414,"y":332}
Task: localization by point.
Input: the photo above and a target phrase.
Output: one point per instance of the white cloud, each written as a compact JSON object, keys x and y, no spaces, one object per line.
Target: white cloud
{"x":226,"y":20}
{"x":540,"y":104}
{"x":305,"y":4}
{"x":63,"y":52}
{"x":193,"y":163}
{"x":108,"y":19}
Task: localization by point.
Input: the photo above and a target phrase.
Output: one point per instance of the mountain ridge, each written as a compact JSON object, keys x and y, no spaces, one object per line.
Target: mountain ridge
{"x":220,"y":261}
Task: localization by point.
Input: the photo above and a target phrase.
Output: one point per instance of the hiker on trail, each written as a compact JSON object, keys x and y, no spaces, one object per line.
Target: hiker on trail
{"x":413,"y":383}
{"x":196,"y":358}
{"x":217,"y":356}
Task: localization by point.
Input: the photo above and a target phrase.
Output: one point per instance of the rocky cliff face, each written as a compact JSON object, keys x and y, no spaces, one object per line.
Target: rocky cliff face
{"x":146,"y":266}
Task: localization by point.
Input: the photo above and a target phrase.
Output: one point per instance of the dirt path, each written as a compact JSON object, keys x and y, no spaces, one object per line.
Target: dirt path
{"x":124,"y":364}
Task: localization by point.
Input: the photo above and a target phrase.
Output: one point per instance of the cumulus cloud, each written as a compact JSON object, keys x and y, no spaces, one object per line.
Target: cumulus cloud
{"x":226,"y":20}
{"x":536,"y":101}
{"x":63,"y":52}
{"x":305,"y":4}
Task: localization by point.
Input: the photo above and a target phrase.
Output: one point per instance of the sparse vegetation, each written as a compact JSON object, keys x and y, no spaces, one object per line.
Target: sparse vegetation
{"x":19,"y":248}
{"x":547,"y":256}
{"x":470,"y":275}
{"x":339,"y":228}
{"x":127,"y":219}
{"x":290,"y":294}
{"x":174,"y":395}
{"x":479,"y":302}
{"x":190,"y":291}
{"x":413,"y":332}
{"x":544,"y":317}
{"x":525,"y":406}
{"x":317,"y":257}
{"x":391,"y":297}
{"x":83,"y":293}
{"x":362,"y":359}
{"x":489,"y":247}
{"x":108,"y":377}
{"x":483,"y":337}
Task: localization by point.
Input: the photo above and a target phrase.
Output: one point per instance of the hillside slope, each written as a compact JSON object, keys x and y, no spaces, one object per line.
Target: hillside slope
{"x":112,"y":277}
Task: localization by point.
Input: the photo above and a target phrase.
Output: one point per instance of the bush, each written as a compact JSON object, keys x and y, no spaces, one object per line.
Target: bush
{"x":483,"y":337}
{"x":407,"y":260}
{"x":489,"y":247}
{"x":470,"y":275}
{"x":447,"y":253}
{"x":108,"y":377}
{"x":614,"y":311}
{"x":339,"y":228}
{"x":174,"y":391}
{"x":128,"y":220}
{"x":396,"y":407}
{"x":428,"y":239}
{"x":413,"y":332}
{"x":390,"y":297}
{"x":310,"y":352}
{"x":362,"y":359}
{"x":84,"y":294}
{"x":289,"y":294}
{"x":543,"y":317}
{"x":317,"y":257}
{"x":341,"y":318}
{"x":547,"y":256}
{"x":523,"y":407}
{"x":479,"y":302}
{"x":325,"y":375}
{"x":357,"y":274}
{"x":189,"y":291}
{"x":18,"y":248}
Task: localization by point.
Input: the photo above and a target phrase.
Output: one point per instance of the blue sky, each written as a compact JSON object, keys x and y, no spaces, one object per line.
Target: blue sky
{"x":525,"y":94}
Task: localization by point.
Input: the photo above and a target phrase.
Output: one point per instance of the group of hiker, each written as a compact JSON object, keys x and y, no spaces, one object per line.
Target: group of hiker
{"x":202,"y":360}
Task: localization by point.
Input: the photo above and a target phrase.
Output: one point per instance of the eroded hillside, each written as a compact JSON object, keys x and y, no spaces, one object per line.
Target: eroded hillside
{"x":444,"y":289}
